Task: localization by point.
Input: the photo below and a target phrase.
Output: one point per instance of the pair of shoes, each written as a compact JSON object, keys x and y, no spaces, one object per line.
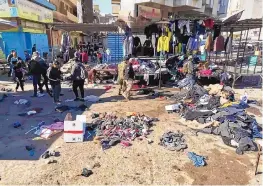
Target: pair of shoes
{"x":76,"y":99}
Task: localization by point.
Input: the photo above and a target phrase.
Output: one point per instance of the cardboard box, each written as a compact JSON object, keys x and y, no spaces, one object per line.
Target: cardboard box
{"x":74,"y":131}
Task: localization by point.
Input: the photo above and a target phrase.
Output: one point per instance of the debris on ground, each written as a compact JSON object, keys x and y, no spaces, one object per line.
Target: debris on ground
{"x":173,"y":141}
{"x":198,"y":161}
{"x":112,"y":130}
{"x":86,"y":172}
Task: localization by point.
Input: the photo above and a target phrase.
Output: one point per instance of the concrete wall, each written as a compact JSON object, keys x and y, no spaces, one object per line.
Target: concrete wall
{"x":253,"y":8}
{"x":87,"y":7}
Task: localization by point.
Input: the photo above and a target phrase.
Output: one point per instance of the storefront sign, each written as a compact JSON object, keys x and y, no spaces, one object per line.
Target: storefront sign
{"x":148,"y":12}
{"x":4,"y":8}
{"x":34,"y":12}
{"x":26,"y":10}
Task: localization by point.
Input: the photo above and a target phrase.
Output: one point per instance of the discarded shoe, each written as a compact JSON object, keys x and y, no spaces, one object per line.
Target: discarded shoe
{"x":86,"y":172}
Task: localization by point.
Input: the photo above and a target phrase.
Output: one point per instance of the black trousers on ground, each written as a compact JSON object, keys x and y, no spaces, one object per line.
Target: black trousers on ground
{"x":20,"y":82}
{"x":78,"y":84}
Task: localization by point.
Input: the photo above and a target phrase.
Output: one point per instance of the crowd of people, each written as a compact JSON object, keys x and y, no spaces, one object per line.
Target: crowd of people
{"x":44,"y":73}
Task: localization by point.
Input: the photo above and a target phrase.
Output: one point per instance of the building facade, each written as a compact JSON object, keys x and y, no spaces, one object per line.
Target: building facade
{"x":31,"y":18}
{"x":164,"y":8}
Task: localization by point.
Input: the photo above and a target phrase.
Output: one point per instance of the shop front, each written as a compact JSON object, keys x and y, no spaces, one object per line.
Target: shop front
{"x":31,"y":26}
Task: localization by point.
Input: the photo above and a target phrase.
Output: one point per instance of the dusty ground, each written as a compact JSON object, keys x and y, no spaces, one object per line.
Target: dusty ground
{"x":142,"y":163}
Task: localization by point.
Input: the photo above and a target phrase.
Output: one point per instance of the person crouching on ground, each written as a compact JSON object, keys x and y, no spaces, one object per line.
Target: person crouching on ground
{"x":19,"y":73}
{"x":121,"y":81}
{"x":92,"y":76}
{"x":54,"y":76}
{"x":128,"y":78}
{"x":36,"y":70}
{"x":78,"y":76}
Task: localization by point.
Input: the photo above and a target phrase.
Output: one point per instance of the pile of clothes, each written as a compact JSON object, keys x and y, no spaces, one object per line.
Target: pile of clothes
{"x":173,"y":141}
{"x":112,"y":130}
{"x":106,"y":66}
{"x":143,"y":66}
{"x":214,"y":107}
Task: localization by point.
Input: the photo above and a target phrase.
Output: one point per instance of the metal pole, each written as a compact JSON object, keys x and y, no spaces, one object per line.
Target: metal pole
{"x":51,"y":42}
{"x":259,"y":33}
{"x":235,"y":67}
{"x":244,"y":53}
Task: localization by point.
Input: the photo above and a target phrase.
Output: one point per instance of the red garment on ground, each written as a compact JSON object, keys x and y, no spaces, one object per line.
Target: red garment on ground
{"x":206,"y":72}
{"x":85,"y":57}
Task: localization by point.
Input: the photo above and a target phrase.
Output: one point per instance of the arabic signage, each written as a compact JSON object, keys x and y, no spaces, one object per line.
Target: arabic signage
{"x":26,"y":10}
{"x":5,"y":8}
{"x":148,"y":12}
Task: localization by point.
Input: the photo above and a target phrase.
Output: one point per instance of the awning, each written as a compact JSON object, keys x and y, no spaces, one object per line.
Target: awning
{"x":86,"y":27}
{"x":6,"y":24}
{"x":243,"y":25}
{"x":233,"y":18}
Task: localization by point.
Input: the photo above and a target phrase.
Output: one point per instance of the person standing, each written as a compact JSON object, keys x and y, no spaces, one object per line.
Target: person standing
{"x":78,"y":75}
{"x":44,"y":67}
{"x":128,"y":78}
{"x":121,"y":81}
{"x":27,"y":58}
{"x":54,"y":76}
{"x":14,"y":60}
{"x":85,"y":56}
{"x":19,"y":76}
{"x":34,"y":48}
{"x":36,"y":71}
{"x":9,"y":62}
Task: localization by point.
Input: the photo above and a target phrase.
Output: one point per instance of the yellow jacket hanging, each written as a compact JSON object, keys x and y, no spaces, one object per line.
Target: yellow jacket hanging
{"x":163,"y":44}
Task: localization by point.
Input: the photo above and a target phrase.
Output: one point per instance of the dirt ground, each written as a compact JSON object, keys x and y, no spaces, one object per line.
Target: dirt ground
{"x":142,"y":163}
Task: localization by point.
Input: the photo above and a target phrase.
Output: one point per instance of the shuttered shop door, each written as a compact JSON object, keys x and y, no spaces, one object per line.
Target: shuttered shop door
{"x":115,"y":44}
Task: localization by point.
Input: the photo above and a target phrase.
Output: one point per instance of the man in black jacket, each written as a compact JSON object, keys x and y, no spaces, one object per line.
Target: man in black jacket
{"x":54,"y":76}
{"x":78,"y":75}
{"x":36,"y":70}
{"x":9,"y":57}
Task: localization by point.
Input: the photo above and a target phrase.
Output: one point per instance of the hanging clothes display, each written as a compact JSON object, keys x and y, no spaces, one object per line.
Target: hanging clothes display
{"x":182,"y":23}
{"x":209,"y":23}
{"x":148,"y":48}
{"x":163,"y":44}
{"x":219,"y":44}
{"x":65,"y":42}
{"x":228,"y":47}
{"x":193,"y":43}
{"x":128,"y":46}
{"x":137,"y":46}
{"x":198,"y":28}
{"x":209,"y":43}
{"x":217,"y":31}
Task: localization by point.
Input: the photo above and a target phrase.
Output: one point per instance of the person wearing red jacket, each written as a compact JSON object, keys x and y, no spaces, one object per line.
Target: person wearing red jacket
{"x":85,"y":57}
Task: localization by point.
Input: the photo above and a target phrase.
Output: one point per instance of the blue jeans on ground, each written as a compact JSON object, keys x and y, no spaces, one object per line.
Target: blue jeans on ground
{"x":36,"y":82}
{"x":56,"y":92}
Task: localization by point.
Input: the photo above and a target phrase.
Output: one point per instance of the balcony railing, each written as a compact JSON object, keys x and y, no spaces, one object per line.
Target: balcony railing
{"x":174,"y":3}
{"x":72,"y":17}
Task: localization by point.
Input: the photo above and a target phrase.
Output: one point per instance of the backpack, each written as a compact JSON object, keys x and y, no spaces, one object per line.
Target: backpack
{"x":83,"y":72}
